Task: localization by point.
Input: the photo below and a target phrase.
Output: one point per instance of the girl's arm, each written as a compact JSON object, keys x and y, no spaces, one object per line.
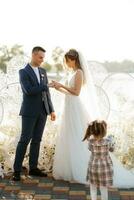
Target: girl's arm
{"x":111,"y":149}
{"x":111,"y":143}
{"x":111,"y":146}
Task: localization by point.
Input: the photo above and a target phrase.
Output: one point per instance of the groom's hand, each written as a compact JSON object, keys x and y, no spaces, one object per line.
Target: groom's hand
{"x":57,"y":85}
{"x":53,"y":116}
{"x":51,"y":84}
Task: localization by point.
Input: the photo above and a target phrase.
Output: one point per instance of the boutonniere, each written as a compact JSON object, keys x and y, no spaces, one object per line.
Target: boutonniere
{"x":42,"y":76}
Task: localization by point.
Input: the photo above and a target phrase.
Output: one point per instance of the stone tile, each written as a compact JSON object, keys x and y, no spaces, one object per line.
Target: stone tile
{"x":45,"y":185}
{"x":77,"y":193}
{"x":114,"y":194}
{"x":76,"y":198}
{"x":30,"y":181}
{"x":125,"y":198}
{"x":42,"y":197}
{"x":45,"y":180}
{"x":2,"y":185}
{"x":88,"y":197}
{"x":43,"y":192}
{"x":12,"y":189}
{"x":59,"y":199}
{"x":61,"y":189}
{"x":48,"y":188}
{"x":10,"y":196}
{"x":61,"y":183}
{"x":26,"y":194}
{"x":126,"y":193}
{"x":112,"y":189}
{"x":1,"y":190}
{"x":59,"y":196}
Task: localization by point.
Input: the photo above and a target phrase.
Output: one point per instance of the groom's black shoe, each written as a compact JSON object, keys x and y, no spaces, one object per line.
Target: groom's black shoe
{"x":16,"y":176}
{"x":37,"y":172}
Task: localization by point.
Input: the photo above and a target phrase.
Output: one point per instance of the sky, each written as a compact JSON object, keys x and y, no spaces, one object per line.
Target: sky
{"x":101,"y":29}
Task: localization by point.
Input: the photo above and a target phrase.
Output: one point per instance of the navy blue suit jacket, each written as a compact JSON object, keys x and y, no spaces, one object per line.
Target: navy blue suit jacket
{"x":35,"y":95}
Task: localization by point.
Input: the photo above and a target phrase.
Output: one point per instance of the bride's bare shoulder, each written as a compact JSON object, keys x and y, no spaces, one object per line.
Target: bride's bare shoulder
{"x":79,"y":75}
{"x":79,"y":71}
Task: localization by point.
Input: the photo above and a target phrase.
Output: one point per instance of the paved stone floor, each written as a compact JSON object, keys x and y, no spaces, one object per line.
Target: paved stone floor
{"x":47,"y":188}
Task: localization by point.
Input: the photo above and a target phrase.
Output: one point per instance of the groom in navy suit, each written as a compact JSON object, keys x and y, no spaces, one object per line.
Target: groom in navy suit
{"x":36,"y":105}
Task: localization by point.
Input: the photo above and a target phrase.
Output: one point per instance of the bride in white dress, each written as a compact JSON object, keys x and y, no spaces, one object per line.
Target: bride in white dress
{"x":80,"y":108}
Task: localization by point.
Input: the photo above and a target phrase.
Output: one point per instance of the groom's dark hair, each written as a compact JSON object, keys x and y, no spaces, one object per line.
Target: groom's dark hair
{"x":38,"y":48}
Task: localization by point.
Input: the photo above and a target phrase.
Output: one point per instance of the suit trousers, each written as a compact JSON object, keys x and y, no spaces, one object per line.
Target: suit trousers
{"x":32,"y":130}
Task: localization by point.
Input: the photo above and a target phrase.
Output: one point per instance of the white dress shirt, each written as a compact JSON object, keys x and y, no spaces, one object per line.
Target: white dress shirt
{"x":36,"y":71}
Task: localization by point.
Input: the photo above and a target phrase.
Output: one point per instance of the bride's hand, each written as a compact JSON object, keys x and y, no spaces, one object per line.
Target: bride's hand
{"x":56,"y":84}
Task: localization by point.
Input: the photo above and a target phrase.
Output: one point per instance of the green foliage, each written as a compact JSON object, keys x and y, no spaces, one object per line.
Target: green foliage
{"x":47,"y":66}
{"x":59,"y":67}
{"x":57,"y":56}
{"x":124,"y":66}
{"x":6,"y":54}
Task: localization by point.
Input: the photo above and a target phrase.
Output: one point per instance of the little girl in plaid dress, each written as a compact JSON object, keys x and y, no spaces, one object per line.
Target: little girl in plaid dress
{"x":100,"y":168}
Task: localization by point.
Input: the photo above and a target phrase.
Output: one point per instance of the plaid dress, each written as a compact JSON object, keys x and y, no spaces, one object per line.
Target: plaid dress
{"x":100,"y":168}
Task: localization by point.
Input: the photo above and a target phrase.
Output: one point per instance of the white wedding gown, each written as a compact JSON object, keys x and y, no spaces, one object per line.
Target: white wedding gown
{"x":71,"y":154}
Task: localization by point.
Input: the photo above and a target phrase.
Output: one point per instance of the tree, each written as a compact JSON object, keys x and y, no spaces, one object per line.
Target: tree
{"x":47,"y":66}
{"x":6,"y":54}
{"x":57,"y":56}
{"x":124,"y":66}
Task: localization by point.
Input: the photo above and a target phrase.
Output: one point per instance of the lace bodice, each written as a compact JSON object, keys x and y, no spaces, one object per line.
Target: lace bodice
{"x":71,"y":79}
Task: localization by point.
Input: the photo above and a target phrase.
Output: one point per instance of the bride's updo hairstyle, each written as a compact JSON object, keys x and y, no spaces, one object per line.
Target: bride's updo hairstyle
{"x":72,"y":54}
